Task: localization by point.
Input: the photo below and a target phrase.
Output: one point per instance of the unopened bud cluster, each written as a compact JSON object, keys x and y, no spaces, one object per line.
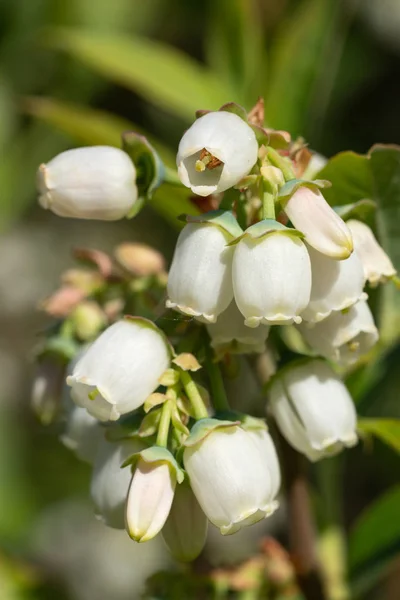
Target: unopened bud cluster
{"x":149,"y":411}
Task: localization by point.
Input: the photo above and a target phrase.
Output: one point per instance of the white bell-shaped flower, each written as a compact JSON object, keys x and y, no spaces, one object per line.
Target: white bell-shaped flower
{"x":316,"y":164}
{"x":343,"y":336}
{"x":336,"y":285}
{"x":313,"y":409}
{"x":83,"y":434}
{"x":120,"y":369}
{"x":200,"y":277}
{"x":110,"y":482}
{"x":378,"y":267}
{"x":234,"y":475}
{"x":95,"y":182}
{"x":323,"y":229}
{"x":230,"y":334}
{"x":149,"y":499}
{"x":216,"y":152}
{"x":271,"y":278}
{"x":185,"y":530}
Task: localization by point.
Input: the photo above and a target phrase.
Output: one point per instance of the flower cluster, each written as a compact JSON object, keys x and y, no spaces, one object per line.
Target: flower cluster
{"x":150,"y":412}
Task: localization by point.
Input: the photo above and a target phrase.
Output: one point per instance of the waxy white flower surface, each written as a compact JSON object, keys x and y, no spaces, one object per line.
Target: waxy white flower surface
{"x":230,"y":333}
{"x":336,"y":285}
{"x":185,"y":530}
{"x":344,"y":336}
{"x":216,"y":152}
{"x":120,"y":369}
{"x":313,"y":409}
{"x":149,"y":499}
{"x":378,"y":267}
{"x":234,"y":477}
{"x":83,"y":434}
{"x":271,"y":279}
{"x":323,"y":229}
{"x":95,"y":182}
{"x":200,"y":277}
{"x":110,"y":483}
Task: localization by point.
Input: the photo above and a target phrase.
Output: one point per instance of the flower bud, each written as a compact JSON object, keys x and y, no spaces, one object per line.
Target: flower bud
{"x":83,"y":434}
{"x":344,"y":336}
{"x":271,"y":278}
{"x":110,"y":481}
{"x":185,"y":530}
{"x":96,"y":182}
{"x":234,"y":475}
{"x":336,"y":285}
{"x":216,"y":152}
{"x":377,"y":265}
{"x":120,"y":369}
{"x":313,"y":409}
{"x":324,"y":230}
{"x":150,"y":497}
{"x":230,"y":334}
{"x":139,"y":259}
{"x":88,"y":319}
{"x":200,"y":278}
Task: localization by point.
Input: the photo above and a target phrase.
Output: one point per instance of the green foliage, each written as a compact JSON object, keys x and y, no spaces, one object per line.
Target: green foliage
{"x":387,"y":430}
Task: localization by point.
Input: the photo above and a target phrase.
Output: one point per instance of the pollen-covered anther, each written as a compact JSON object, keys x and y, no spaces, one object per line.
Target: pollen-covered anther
{"x":207,"y":161}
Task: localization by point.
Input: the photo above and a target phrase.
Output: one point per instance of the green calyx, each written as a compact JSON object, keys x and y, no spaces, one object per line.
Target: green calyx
{"x":267,"y":227}
{"x":204,"y":427}
{"x":290,"y":187}
{"x":156,"y":454}
{"x":149,"y":166}
{"x":221,"y":218}
{"x":247,"y":422}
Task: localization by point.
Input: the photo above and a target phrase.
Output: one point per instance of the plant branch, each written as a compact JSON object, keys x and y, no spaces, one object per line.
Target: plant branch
{"x":194,"y":395}
{"x":219,"y":397}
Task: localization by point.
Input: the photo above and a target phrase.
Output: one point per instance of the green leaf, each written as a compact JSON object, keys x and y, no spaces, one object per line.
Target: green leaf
{"x":350,"y":176}
{"x":374,"y":540}
{"x":162,"y":74}
{"x":387,"y":430}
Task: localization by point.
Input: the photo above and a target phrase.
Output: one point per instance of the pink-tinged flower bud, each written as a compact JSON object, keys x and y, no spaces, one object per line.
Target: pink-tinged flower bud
{"x":120,"y":369}
{"x":149,"y":499}
{"x":378,"y":267}
{"x":216,"y":152}
{"x":336,"y":285}
{"x":313,"y":409}
{"x":95,"y":182}
{"x":324,"y":230}
{"x":344,"y":336}
{"x":185,"y":530}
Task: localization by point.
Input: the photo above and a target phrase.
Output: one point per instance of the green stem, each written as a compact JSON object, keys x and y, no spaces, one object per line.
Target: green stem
{"x":171,"y":177}
{"x":268,"y":203}
{"x":219,"y":396}
{"x":281,"y":162}
{"x":194,"y":396}
{"x":163,"y":429}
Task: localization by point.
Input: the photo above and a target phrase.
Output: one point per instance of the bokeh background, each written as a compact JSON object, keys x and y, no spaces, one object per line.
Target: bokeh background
{"x":76,"y":72}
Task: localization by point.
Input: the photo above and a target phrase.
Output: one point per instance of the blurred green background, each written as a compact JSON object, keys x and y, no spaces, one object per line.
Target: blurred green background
{"x":76,"y":72}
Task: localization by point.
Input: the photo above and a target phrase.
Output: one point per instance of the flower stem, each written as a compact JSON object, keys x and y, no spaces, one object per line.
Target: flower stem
{"x":171,"y":177}
{"x":163,"y":429}
{"x":194,"y":396}
{"x":219,"y":396}
{"x":268,"y":202}
{"x":281,"y":162}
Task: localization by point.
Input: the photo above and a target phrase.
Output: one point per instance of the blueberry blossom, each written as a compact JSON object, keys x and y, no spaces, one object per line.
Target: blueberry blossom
{"x":378,"y":267}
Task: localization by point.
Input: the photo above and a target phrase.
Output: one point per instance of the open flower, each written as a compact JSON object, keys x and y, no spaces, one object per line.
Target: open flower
{"x":324,"y":230}
{"x":377,"y":265}
{"x":95,"y":182}
{"x":200,"y":278}
{"x":336,"y":285}
{"x":120,"y":369}
{"x":271,"y":277}
{"x":216,"y":152}
{"x":230,"y":334}
{"x":185,"y":530}
{"x":313,"y":409}
{"x":233,"y":473}
{"x":343,"y":336}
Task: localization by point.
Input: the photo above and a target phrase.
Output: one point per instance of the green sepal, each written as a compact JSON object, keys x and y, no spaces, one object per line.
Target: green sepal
{"x":149,"y":166}
{"x":262,"y":135}
{"x":221,"y":218}
{"x":247,"y":422}
{"x":236,"y":109}
{"x":290,"y":187}
{"x":203,"y":427}
{"x":177,"y":421}
{"x":150,"y":423}
{"x":362,"y":210}
{"x":156,"y":454}
{"x":201,"y":112}
{"x":147,"y":323}
{"x":136,"y":208}
{"x":279,"y":140}
{"x":264,"y":228}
